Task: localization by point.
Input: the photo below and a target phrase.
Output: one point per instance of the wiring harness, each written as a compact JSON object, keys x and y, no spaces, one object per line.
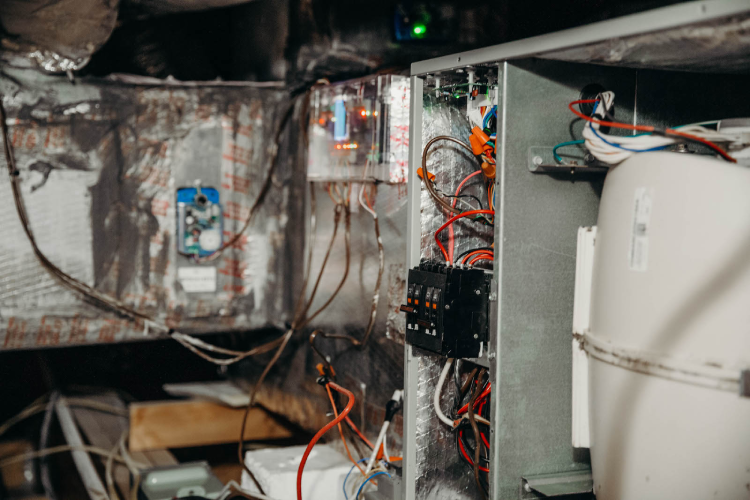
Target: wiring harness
{"x":614,"y":149}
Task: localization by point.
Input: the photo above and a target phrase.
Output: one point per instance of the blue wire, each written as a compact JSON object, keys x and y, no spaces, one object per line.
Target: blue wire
{"x":572,"y":143}
{"x":348,"y":474}
{"x":562,"y":145}
{"x":617,"y":145}
{"x":368,"y":479}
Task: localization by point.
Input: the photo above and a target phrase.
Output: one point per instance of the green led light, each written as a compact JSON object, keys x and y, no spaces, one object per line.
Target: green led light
{"x":419,"y":30}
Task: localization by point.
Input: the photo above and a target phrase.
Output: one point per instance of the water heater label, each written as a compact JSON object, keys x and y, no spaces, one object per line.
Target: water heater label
{"x":640,"y":230}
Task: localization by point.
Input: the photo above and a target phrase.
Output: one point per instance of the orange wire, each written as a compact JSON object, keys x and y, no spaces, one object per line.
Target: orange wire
{"x":341,"y":431}
{"x":475,"y":252}
{"x":481,"y":257}
{"x":321,"y":433}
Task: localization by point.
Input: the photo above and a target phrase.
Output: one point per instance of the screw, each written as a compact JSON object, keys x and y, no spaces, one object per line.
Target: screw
{"x":478,"y":292}
{"x":447,"y":307}
{"x":476,"y":336}
{"x":588,"y":158}
{"x":538,"y":160}
{"x":527,"y":488}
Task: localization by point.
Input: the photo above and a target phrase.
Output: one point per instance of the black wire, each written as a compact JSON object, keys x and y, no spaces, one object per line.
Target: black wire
{"x":481,"y":207}
{"x":467,"y":252}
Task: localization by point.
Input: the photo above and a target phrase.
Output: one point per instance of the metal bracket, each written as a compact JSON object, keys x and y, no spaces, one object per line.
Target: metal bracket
{"x":557,"y":485}
{"x":542,"y":161}
{"x":745,"y":383}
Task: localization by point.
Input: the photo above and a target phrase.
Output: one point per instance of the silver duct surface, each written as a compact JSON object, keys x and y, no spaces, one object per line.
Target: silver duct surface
{"x":100,"y":163}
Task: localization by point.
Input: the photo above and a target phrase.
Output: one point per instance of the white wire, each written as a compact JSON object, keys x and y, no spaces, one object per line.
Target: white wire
{"x":439,"y":390}
{"x":374,"y":454}
{"x":362,"y":191}
{"x":385,"y":448}
{"x":611,"y":154}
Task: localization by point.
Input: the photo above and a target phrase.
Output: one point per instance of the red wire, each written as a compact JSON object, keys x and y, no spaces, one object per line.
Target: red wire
{"x":482,"y":257}
{"x":484,"y":438}
{"x":330,"y":425}
{"x":466,"y":455}
{"x":453,"y":219}
{"x":453,"y":204}
{"x":486,"y":392}
{"x":645,"y":128}
{"x":475,"y":252}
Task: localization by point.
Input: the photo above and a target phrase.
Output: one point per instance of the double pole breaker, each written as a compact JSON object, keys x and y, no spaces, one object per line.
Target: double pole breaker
{"x":447,"y":309}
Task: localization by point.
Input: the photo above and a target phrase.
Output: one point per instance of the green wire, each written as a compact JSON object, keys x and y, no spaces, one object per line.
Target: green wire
{"x":562,"y":145}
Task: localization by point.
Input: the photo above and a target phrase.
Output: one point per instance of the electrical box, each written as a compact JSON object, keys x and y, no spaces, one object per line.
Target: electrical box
{"x":360,"y":125}
{"x":447,"y":309}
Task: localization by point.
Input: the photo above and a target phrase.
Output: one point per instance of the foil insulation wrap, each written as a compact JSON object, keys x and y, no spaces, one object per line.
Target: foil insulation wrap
{"x":99,"y":165}
{"x":440,"y":472}
{"x":450,"y":164}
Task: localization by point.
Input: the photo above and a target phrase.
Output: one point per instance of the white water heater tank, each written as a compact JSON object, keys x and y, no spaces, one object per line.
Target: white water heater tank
{"x":669,"y":337}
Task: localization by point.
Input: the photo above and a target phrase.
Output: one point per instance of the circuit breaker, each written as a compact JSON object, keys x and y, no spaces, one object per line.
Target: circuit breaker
{"x":447,"y":309}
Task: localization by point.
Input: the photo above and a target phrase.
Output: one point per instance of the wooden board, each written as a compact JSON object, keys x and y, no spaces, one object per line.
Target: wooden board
{"x":181,"y":424}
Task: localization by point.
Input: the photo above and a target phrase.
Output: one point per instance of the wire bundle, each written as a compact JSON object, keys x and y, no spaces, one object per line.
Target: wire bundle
{"x":468,"y":417}
{"x":612,"y":149}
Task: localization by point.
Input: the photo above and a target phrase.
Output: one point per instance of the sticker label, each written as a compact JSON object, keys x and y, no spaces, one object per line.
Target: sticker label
{"x":197,"y":279}
{"x":639,"y":235}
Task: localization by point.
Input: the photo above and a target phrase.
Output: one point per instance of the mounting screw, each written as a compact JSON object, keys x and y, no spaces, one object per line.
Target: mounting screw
{"x":478,"y":292}
{"x":538,"y":160}
{"x":526,"y":487}
{"x":588,"y":158}
{"x":447,"y":307}
{"x":476,"y":336}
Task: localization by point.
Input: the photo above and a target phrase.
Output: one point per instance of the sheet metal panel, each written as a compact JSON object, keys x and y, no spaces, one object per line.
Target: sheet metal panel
{"x":591,"y":43}
{"x":540,"y":216}
{"x":100,"y":162}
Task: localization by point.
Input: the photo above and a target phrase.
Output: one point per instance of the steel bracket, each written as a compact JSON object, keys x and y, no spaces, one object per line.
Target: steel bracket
{"x":557,"y":485}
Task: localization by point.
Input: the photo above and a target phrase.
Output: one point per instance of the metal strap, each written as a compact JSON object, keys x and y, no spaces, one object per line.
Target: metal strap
{"x":711,"y":374}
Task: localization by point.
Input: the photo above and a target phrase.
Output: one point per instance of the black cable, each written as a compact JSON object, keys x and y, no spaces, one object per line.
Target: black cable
{"x":481,"y":207}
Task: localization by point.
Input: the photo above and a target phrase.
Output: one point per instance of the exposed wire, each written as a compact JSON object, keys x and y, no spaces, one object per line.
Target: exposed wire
{"x":477,"y":252}
{"x":346,"y":478}
{"x":369,"y":478}
{"x":265,"y":188}
{"x":475,"y":429}
{"x":341,"y":430}
{"x":112,"y":304}
{"x":38,"y":407}
{"x":426,"y":174}
{"x":451,"y":242}
{"x":453,"y":219}
{"x":381,"y":266}
{"x":23,"y":457}
{"x":647,"y":128}
{"x":479,"y":249}
{"x":321,"y":433}
{"x":439,"y":390}
{"x":481,"y":257}
{"x":562,"y":145}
